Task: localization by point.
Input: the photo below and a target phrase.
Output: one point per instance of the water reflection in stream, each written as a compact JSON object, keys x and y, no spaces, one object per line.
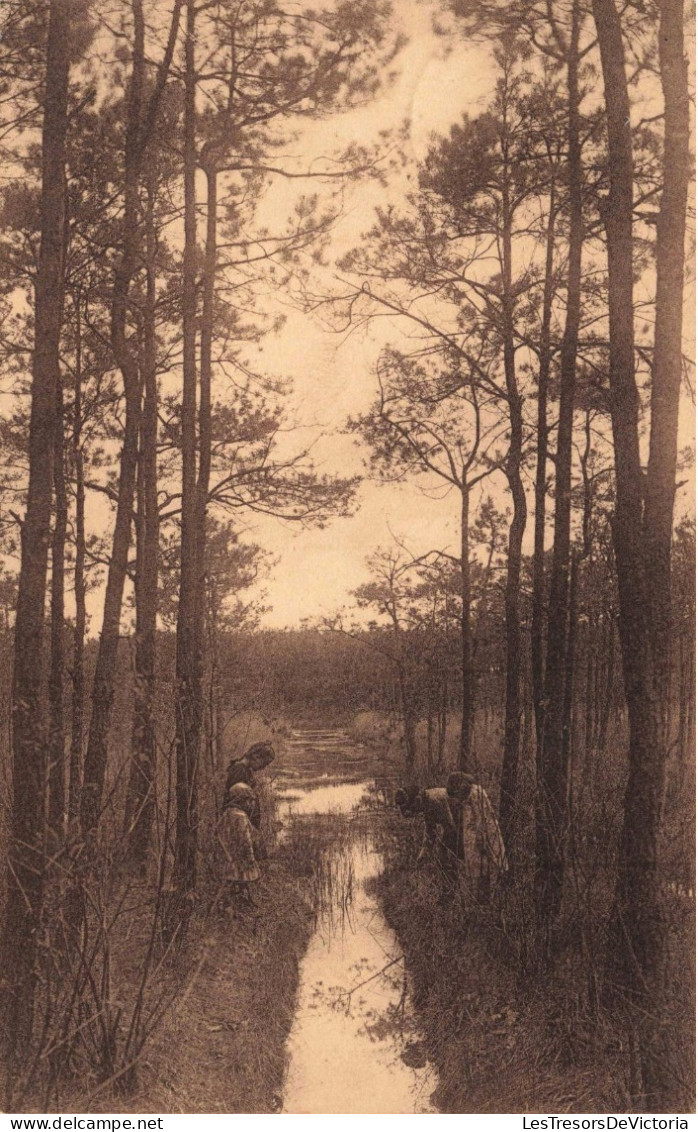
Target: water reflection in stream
{"x":354,"y":1046}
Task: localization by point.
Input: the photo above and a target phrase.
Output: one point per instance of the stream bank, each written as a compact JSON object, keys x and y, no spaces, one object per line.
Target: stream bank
{"x":301,"y":1004}
{"x":500,"y":1043}
{"x":220,"y":1048}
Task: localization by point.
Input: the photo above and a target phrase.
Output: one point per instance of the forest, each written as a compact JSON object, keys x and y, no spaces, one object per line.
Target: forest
{"x":177,"y":178}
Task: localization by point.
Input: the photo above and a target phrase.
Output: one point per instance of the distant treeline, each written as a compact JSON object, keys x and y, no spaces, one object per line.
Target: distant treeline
{"x":329,"y":675}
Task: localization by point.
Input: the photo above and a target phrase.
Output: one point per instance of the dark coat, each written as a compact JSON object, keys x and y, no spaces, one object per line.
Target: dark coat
{"x":438,"y":816}
{"x":239,"y":771}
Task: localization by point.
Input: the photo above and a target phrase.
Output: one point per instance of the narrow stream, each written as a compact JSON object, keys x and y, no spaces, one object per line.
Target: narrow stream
{"x":354,"y":1046}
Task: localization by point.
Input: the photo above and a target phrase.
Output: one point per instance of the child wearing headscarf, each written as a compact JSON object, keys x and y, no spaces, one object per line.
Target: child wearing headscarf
{"x":244,"y":770}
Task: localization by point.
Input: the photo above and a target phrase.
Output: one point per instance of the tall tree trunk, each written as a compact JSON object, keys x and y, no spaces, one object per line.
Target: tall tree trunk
{"x":538,"y":595}
{"x":591,"y":700}
{"x":686,"y":705}
{"x":512,"y":618}
{"x":204,"y":472}
{"x":512,"y":612}
{"x":430,"y":734}
{"x":552,"y":783}
{"x":139,"y":126}
{"x":140,"y":803}
{"x":215,"y":712}
{"x":56,"y":739}
{"x":189,"y":645}
{"x":667,"y":358}
{"x":78,"y":697}
{"x":609,"y":682}
{"x":638,"y":933}
{"x":442,"y":722}
{"x":207,"y":329}
{"x":409,"y":725}
{"x":468,"y":684}
{"x":568,"y":736}
{"x":191,"y":621}
{"x":25,"y":872}
{"x":104,"y":684}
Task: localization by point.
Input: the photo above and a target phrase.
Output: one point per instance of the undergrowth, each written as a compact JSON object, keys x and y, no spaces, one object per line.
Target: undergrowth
{"x":505,"y":1037}
{"x":214,"y":1006}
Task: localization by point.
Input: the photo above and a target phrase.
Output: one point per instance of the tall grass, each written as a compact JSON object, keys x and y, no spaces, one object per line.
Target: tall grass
{"x":509,"y":1031}
{"x":321,"y":848}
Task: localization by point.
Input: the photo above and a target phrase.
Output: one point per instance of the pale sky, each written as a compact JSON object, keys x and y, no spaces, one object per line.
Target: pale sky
{"x":436,"y":81}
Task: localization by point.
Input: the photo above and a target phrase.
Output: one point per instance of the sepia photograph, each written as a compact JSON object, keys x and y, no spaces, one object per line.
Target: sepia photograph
{"x":347,"y":560}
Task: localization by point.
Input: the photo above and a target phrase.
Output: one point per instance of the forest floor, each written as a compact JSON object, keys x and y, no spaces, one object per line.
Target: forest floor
{"x":499,"y":1042}
{"x":502,"y":1042}
{"x":497,"y":1048}
{"x":220,"y":1047}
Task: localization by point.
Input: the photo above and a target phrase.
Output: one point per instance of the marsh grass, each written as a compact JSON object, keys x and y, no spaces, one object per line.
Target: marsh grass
{"x":498,"y":1046}
{"x":220,"y":1048}
{"x":239,"y":1012}
{"x":113,"y":991}
{"x":324,"y":847}
{"x":219,"y":1008}
{"x":564,"y":1049}
{"x":507,"y":1032}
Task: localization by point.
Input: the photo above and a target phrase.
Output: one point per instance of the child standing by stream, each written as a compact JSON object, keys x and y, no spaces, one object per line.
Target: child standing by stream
{"x":235,"y":836}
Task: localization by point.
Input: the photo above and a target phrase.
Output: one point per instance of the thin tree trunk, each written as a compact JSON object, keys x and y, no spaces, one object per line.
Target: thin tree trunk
{"x":56,"y":740}
{"x":467,"y":686}
{"x":189,"y":644}
{"x":140,"y":124}
{"x":409,"y":728}
{"x":104,"y":684}
{"x":442,"y":722}
{"x":568,"y":736}
{"x":512,"y":617}
{"x":215,"y":699}
{"x":607,"y":701}
{"x":140,"y":807}
{"x":204,"y":416}
{"x":79,"y":691}
{"x":207,"y":328}
{"x":684,"y":692}
{"x":590,"y":701}
{"x":430,"y":741}
{"x":687,"y":708}
{"x":512,"y":613}
{"x":600,"y":666}
{"x":25,"y":872}
{"x":408,"y":721}
{"x":218,"y":714}
{"x":538,"y":595}
{"x":135,"y":780}
{"x":552,"y":782}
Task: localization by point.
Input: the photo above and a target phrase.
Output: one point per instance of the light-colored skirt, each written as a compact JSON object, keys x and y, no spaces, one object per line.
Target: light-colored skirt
{"x":484,"y":855}
{"x":236,"y":841}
